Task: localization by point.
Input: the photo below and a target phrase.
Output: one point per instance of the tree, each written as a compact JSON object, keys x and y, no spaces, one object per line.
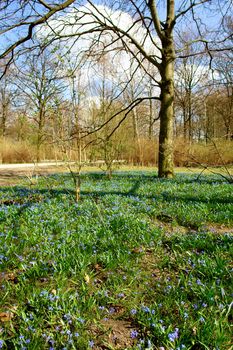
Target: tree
{"x":38,"y":80}
{"x":19,"y":19}
{"x":145,"y":31}
{"x":224,"y":105}
{"x":192,"y":78}
{"x":105,"y":91}
{"x":5,"y":103}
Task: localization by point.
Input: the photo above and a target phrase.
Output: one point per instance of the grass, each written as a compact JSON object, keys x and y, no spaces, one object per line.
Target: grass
{"x":138,"y":263}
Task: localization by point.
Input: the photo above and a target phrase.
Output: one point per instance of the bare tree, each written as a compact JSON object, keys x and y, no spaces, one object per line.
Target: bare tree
{"x":5,"y":103}
{"x":39,"y":82}
{"x":192,"y":80}
{"x":224,"y":101}
{"x":104,"y":89}
{"x":148,"y":36}
{"x":19,"y":18}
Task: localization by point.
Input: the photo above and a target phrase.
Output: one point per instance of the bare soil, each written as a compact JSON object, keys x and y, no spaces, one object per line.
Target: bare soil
{"x":114,"y":334}
{"x":14,"y":176}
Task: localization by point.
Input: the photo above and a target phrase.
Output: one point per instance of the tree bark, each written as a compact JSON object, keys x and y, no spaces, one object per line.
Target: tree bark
{"x":5,"y":105}
{"x":39,"y":140}
{"x":166,"y":166}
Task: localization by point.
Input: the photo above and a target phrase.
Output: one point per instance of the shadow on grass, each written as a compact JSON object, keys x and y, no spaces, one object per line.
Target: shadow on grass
{"x":28,"y":196}
{"x":23,"y":198}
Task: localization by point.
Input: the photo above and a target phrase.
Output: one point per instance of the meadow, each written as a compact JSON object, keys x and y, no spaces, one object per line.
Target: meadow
{"x":137,"y":263}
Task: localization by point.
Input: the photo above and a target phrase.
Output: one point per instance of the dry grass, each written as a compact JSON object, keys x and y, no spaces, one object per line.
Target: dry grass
{"x":15,"y":152}
{"x":215,"y":153}
{"x":144,"y":153}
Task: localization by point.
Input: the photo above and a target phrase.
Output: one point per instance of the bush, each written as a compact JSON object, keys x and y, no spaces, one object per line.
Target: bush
{"x":214,"y":153}
{"x":15,"y":152}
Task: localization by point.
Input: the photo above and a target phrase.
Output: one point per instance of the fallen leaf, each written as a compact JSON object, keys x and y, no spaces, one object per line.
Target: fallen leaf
{"x":6,"y":316}
{"x":8,"y":277}
{"x":138,"y":250}
{"x":97,"y":267}
{"x":87,"y":278}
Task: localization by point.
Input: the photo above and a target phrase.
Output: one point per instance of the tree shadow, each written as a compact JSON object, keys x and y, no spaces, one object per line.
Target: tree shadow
{"x":20,"y":195}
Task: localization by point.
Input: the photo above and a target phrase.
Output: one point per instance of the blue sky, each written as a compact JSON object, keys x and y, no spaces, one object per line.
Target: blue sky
{"x":208,"y":17}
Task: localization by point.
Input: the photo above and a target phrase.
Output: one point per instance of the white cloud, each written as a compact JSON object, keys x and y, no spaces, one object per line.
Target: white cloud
{"x":82,"y":23}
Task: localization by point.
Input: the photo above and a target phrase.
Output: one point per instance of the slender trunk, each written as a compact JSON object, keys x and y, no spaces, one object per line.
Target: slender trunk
{"x":78,"y":187}
{"x":136,"y":134}
{"x":166,"y":166}
{"x":190,"y":116}
{"x":39,"y":134}
{"x":228,"y":133}
{"x":5,"y":103}
{"x":150,"y":120}
{"x":3,"y":126}
{"x":184,"y":123}
{"x":135,"y":124}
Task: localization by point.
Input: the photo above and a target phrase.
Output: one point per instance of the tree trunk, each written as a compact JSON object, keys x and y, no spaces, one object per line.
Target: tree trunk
{"x":151,"y":122}
{"x":184,"y":123}
{"x":5,"y":103}
{"x":190,"y":116}
{"x":39,"y":134}
{"x":78,"y":187}
{"x":166,"y":166}
{"x":136,"y":134}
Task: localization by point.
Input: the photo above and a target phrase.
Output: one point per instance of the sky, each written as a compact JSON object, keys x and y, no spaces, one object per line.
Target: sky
{"x":210,"y":17}
{"x":123,"y":19}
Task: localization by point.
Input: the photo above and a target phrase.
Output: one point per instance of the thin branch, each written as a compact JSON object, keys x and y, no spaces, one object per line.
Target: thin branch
{"x":49,"y":7}
{"x":41,"y":20}
{"x":155,"y":17}
{"x":128,"y":109}
{"x":191,"y":6}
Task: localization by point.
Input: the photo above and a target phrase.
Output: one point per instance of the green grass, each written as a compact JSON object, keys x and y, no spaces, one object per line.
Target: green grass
{"x":138,"y":263}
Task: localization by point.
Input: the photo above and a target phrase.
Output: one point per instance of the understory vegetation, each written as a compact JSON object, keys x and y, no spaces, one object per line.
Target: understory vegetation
{"x":137,"y":263}
{"x":143,"y":152}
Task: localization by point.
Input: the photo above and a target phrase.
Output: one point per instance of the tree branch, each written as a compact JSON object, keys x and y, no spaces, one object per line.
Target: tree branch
{"x":33,"y":24}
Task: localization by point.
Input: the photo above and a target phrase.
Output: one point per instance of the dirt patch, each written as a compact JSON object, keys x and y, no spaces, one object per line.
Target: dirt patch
{"x":9,"y":180}
{"x":169,"y":227}
{"x":13,"y":177}
{"x":8,"y":276}
{"x":218,"y":228}
{"x":115,"y":334}
{"x":22,"y":200}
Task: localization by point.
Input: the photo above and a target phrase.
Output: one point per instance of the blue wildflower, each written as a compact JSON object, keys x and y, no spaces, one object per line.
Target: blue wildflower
{"x":174,"y":335}
{"x":134,"y":334}
{"x":81,"y":320}
{"x":121,"y":295}
{"x":133,"y":312}
{"x":146,"y":309}
{"x":91,"y":343}
{"x":149,"y":344}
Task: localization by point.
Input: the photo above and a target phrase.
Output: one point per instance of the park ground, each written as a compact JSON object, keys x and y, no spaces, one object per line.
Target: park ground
{"x":137,"y":263}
